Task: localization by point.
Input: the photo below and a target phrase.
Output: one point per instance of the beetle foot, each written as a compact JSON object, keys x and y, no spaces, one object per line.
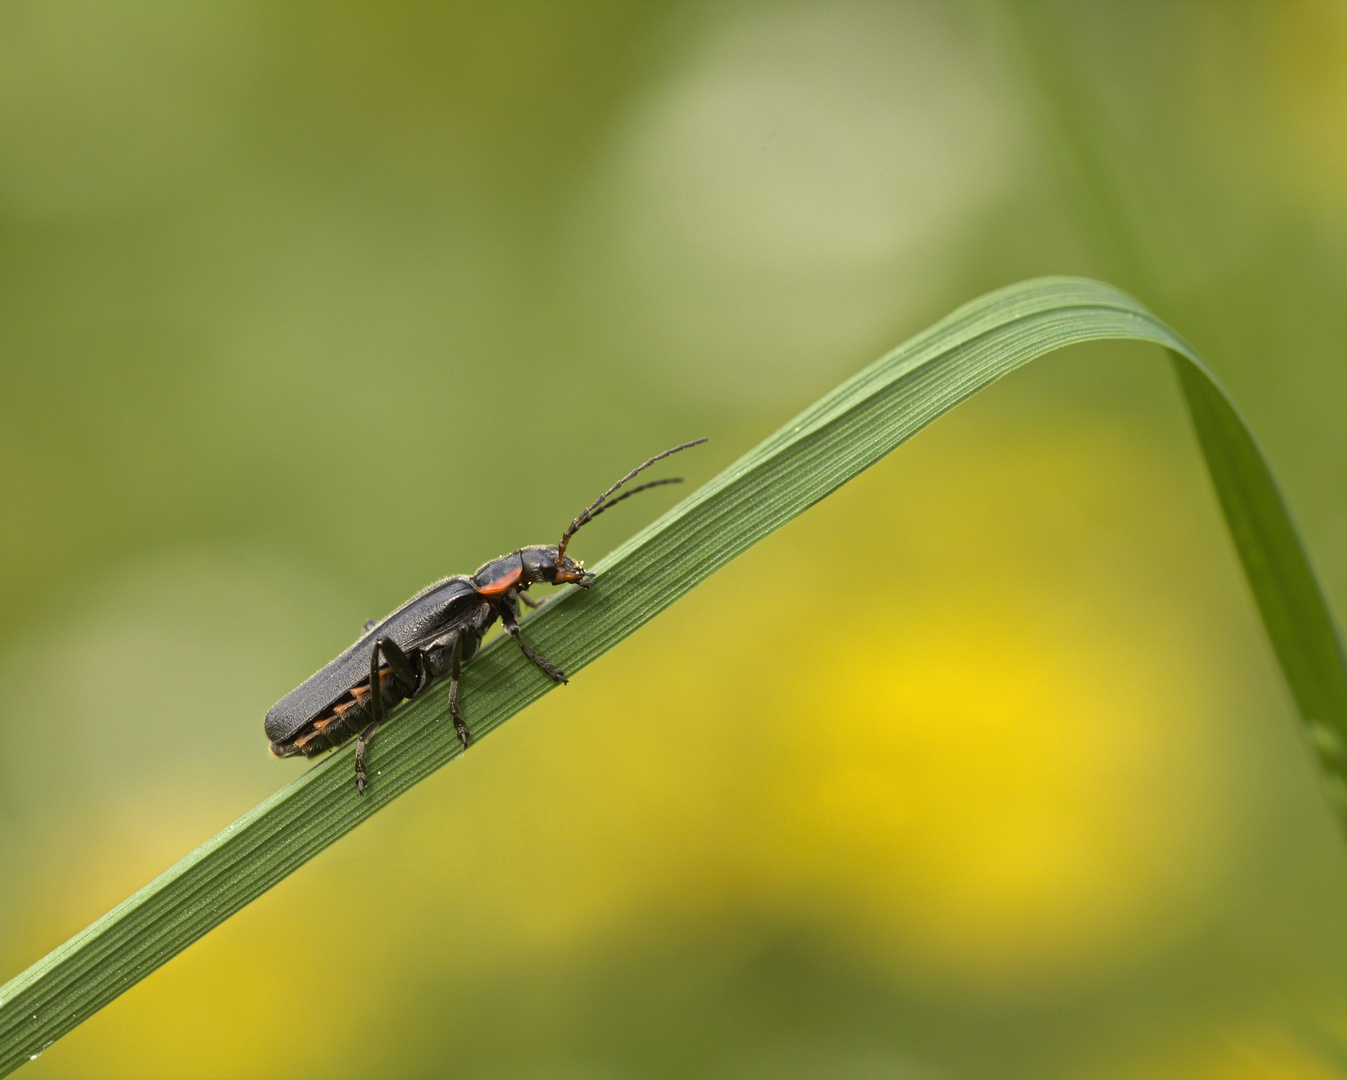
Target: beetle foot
{"x":360,"y":782}
{"x":459,"y":725}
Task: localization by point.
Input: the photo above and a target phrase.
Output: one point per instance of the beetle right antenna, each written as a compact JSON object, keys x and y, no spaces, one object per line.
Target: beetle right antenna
{"x":599,"y":505}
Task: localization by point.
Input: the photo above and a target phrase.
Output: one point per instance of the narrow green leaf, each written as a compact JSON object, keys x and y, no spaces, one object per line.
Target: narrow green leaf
{"x":817,"y":452}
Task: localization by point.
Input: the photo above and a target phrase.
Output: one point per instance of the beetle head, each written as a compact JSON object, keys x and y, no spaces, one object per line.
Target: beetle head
{"x":548,"y":566}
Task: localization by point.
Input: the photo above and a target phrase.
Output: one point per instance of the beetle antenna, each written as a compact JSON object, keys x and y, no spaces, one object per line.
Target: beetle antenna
{"x":599,"y":505}
{"x":628,"y":494}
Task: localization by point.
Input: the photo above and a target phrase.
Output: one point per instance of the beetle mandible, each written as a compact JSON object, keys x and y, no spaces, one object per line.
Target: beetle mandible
{"x":434,"y":633}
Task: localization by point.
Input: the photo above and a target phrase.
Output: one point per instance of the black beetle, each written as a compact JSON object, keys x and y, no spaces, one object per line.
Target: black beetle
{"x":433,"y":633}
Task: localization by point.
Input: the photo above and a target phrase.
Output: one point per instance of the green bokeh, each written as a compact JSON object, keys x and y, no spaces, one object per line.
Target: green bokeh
{"x":304,"y":306}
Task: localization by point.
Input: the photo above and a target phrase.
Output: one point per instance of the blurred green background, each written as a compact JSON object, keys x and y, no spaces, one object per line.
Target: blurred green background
{"x":981,"y":768}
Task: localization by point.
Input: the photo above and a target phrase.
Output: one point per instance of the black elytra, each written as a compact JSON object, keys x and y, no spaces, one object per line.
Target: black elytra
{"x":434,"y":633}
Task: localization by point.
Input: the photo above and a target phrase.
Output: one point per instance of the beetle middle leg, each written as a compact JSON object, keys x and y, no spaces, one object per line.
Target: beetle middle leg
{"x":509,"y":619}
{"x":406,"y":675}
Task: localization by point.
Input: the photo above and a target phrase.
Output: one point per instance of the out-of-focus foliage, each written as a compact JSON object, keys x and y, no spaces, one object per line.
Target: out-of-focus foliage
{"x":1027,"y":808}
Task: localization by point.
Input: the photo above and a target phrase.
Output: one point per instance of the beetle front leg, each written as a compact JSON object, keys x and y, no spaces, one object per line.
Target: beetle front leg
{"x":510,"y":620}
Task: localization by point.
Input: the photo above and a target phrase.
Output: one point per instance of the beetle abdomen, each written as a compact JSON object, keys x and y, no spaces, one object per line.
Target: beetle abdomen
{"x":342,"y":722}
{"x":410,"y":626}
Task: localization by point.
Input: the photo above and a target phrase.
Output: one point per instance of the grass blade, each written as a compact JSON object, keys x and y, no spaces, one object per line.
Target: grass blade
{"x":821,"y":449}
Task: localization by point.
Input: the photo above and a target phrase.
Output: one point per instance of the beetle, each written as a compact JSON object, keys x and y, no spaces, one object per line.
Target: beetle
{"x":434,"y":633}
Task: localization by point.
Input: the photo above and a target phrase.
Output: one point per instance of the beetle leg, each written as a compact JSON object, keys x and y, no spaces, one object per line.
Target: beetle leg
{"x":406,"y":681}
{"x":510,"y":620}
{"x":535,"y":604}
{"x":405,"y":669}
{"x":360,"y":745}
{"x":456,"y":669}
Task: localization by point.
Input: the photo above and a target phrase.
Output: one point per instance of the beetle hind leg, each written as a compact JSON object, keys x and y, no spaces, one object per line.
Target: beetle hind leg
{"x":361,"y":782}
{"x":406,"y":676}
{"x":456,"y":669}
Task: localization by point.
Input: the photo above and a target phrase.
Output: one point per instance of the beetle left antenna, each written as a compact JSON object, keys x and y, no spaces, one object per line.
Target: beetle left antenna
{"x":599,"y":505}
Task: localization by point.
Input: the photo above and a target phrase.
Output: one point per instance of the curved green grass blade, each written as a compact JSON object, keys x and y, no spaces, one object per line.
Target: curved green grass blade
{"x":821,"y":449}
